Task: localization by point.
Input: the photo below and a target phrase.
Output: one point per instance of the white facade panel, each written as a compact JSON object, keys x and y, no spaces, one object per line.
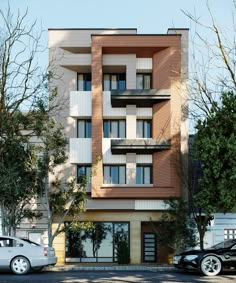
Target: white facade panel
{"x":75,"y":60}
{"x":144,"y":112}
{"x":108,"y":111}
{"x":80,"y":150}
{"x":110,"y":158}
{"x":144,"y":158}
{"x":150,"y":205}
{"x":144,"y":63}
{"x":80,"y":103}
{"x":65,"y":37}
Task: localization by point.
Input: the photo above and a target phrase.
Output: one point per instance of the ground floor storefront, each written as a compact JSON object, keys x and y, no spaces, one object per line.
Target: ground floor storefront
{"x":100,"y":234}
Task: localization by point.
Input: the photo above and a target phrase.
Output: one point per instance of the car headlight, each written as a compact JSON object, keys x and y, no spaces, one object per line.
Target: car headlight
{"x":190,"y":257}
{"x":177,"y":258}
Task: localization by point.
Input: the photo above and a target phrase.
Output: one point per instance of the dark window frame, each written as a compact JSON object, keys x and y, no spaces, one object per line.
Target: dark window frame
{"x":86,"y":166}
{"x":87,"y":77}
{"x":110,"y":173}
{"x":143,"y":166}
{"x":109,"y":121}
{"x":143,"y":80}
{"x":118,"y":80}
{"x":114,"y":223}
{"x":143,"y":127}
{"x":87,"y":134}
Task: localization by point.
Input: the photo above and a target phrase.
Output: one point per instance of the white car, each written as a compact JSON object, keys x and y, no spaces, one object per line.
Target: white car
{"x":22,"y":255}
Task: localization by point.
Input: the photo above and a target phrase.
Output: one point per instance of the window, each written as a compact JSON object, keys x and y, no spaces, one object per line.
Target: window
{"x":84,"y":128}
{"x":96,"y":243}
{"x":149,"y":247}
{"x":114,"y":81}
{"x":84,"y":171}
{"x":84,"y":82}
{"x":229,"y":234}
{"x":144,"y":129}
{"x":114,"y":128}
{"x":144,"y":81}
{"x":144,"y":174}
{"x":114,"y":174}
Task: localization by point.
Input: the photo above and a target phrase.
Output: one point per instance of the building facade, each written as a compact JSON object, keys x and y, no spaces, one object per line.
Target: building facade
{"x":123,"y":96}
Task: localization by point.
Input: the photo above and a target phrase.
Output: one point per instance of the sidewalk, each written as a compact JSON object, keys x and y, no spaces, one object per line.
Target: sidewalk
{"x":129,"y":267}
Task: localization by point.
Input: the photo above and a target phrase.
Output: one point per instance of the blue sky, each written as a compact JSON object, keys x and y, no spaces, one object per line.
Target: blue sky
{"x":148,"y":16}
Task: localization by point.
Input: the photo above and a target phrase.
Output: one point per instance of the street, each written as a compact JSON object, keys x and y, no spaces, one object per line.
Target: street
{"x":116,"y":277}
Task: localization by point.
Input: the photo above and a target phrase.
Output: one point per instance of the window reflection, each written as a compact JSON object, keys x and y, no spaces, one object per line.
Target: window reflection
{"x":97,"y":243}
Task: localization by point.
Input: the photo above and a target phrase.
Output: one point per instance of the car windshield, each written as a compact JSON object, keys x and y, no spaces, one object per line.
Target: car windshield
{"x":225,"y":244}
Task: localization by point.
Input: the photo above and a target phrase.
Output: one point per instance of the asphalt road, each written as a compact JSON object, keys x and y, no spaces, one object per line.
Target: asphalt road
{"x":115,"y":277}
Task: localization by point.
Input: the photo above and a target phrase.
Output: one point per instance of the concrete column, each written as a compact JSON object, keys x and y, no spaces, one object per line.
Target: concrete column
{"x":135,"y":243}
{"x":131,"y":121}
{"x":131,"y":168}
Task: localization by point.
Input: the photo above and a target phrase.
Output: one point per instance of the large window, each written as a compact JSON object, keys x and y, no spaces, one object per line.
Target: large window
{"x":144,"y":174}
{"x":144,"y":129}
{"x":96,"y":242}
{"x":83,"y":82}
{"x":144,"y":81}
{"x":84,"y":171}
{"x":84,"y":128}
{"x":114,"y":81}
{"x":114,"y":128}
{"x":114,"y":174}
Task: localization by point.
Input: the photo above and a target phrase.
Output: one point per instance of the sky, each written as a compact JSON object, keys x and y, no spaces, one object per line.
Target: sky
{"x":148,"y":16}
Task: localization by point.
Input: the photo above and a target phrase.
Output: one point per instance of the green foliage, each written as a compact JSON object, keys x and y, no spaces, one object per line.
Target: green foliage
{"x":18,"y":176}
{"x":123,"y":255}
{"x":121,"y":243}
{"x":176,"y":229}
{"x":215,"y":147}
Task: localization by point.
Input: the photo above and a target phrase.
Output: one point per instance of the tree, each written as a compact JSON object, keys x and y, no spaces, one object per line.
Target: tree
{"x":176,"y":229}
{"x":212,"y":74}
{"x":26,"y":113}
{"x":21,"y":84}
{"x":213,"y":61}
{"x":215,"y":147}
{"x":18,"y":178}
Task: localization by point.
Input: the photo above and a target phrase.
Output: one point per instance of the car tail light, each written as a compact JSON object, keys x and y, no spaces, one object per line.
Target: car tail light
{"x":45,"y":252}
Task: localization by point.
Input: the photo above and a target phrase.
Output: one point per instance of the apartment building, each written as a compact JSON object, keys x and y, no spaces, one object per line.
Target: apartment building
{"x":123,"y":96}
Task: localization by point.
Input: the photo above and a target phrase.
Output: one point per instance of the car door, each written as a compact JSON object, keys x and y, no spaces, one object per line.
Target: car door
{"x":5,"y":255}
{"x":233,"y":255}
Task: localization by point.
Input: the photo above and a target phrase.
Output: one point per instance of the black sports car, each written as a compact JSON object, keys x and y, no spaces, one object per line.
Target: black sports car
{"x":209,"y":261}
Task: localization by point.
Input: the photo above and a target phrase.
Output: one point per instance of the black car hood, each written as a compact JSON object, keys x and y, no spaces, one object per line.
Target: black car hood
{"x":196,"y":252}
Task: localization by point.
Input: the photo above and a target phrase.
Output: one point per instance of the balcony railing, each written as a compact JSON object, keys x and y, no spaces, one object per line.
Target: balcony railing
{"x":138,"y":146}
{"x":139,"y":97}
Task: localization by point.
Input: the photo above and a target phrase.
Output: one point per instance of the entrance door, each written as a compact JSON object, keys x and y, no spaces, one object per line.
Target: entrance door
{"x":149,"y":247}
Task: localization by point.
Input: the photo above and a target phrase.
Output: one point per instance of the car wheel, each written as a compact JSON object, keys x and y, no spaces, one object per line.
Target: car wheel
{"x":211,"y":265}
{"x":20,"y":265}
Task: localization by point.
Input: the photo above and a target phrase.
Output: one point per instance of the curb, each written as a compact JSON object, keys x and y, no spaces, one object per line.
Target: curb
{"x":110,"y":268}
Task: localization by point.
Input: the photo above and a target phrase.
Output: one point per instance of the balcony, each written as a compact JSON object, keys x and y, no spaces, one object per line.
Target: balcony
{"x":138,"y":146}
{"x":139,"y":97}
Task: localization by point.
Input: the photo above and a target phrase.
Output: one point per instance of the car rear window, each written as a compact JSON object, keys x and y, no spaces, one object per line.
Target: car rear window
{"x":30,"y":242}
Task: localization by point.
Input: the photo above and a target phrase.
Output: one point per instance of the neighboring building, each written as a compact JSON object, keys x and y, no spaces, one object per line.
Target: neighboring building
{"x":122,"y":95}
